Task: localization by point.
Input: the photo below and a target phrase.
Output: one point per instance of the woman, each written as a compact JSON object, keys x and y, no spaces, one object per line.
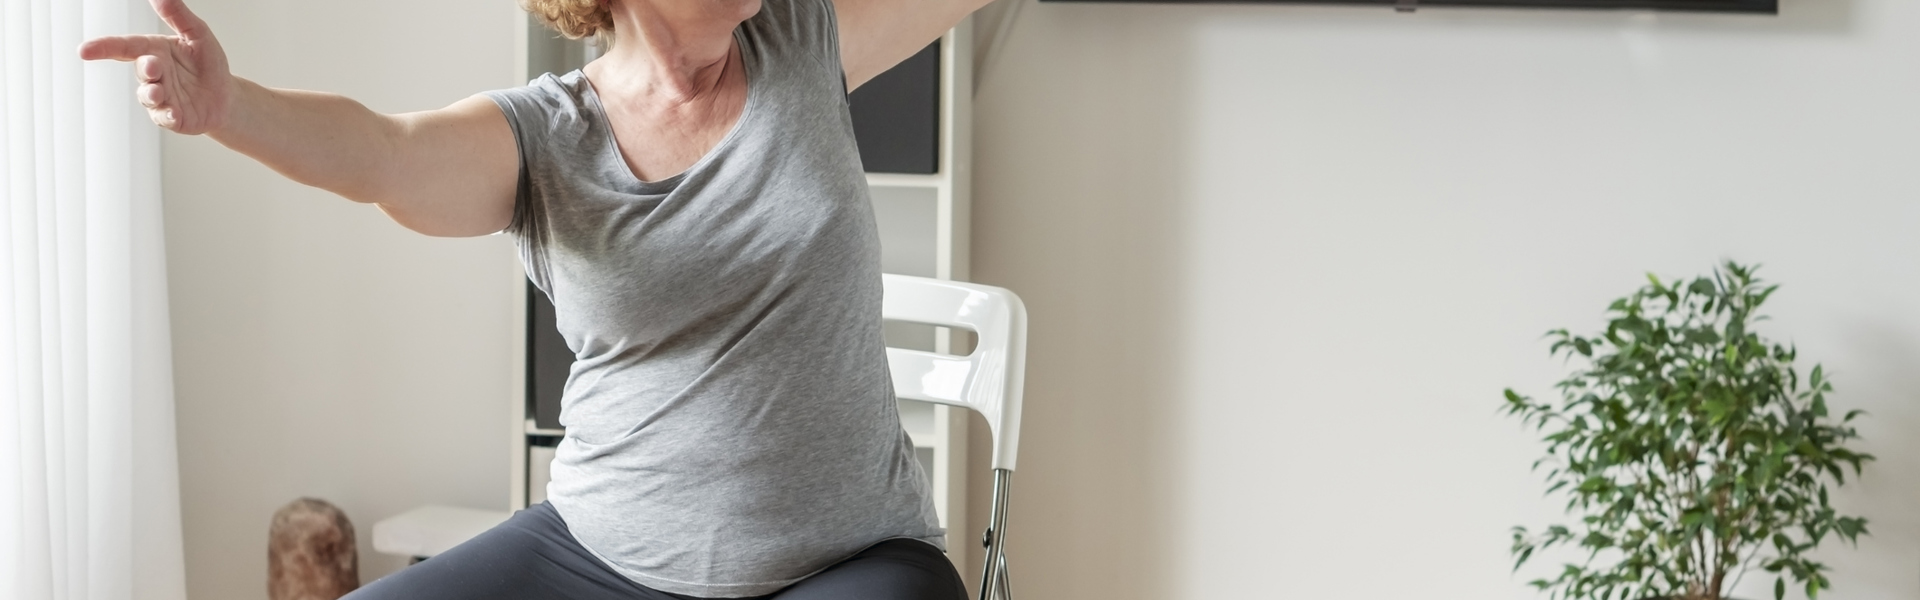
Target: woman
{"x":693,"y":203}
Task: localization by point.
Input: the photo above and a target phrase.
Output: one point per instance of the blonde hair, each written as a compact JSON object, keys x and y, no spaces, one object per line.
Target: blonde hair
{"x":575,"y":19}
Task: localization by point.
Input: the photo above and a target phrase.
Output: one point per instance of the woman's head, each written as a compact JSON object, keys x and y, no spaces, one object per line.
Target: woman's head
{"x":574,"y":18}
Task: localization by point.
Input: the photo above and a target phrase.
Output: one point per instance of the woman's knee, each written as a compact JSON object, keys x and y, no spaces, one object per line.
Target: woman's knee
{"x":891,"y":570}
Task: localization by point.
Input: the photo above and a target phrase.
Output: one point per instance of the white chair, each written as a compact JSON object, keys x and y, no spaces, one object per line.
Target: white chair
{"x":988,"y":381}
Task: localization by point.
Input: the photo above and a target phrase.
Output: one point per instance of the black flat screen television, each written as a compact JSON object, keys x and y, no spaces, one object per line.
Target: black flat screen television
{"x":1740,"y":6}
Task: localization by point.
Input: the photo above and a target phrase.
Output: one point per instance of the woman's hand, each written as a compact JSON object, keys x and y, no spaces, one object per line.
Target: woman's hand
{"x":185,"y":84}
{"x":447,"y":172}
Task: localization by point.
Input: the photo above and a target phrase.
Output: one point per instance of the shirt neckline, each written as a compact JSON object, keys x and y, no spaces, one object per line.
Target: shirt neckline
{"x":750,"y":69}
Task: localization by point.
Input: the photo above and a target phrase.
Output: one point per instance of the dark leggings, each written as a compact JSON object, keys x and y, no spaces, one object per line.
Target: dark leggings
{"x":532,"y":556}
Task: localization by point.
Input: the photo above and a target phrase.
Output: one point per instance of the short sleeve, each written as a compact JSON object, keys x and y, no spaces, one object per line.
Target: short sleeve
{"x":532,"y":112}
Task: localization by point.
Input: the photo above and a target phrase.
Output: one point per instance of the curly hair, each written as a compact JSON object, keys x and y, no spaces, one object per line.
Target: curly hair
{"x":573,"y":18}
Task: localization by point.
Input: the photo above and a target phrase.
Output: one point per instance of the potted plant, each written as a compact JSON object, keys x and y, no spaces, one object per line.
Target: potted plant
{"x":1690,"y":448}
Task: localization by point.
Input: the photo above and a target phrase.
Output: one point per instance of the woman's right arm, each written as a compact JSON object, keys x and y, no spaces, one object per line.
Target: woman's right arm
{"x":447,"y":172}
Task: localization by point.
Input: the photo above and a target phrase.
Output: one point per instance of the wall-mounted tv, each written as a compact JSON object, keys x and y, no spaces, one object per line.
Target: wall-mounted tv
{"x":1740,"y":6}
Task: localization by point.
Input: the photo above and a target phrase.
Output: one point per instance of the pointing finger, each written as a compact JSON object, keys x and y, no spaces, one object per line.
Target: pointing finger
{"x":124,"y":47}
{"x":181,"y":19}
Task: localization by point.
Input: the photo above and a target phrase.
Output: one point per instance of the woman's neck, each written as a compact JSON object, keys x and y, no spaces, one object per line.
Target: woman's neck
{"x":664,"y":56}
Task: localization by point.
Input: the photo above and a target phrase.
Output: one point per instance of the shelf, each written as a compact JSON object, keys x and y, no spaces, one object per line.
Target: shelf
{"x":908,"y":181}
{"x":430,"y":530}
{"x":918,"y":419}
{"x":906,"y":217}
{"x":532,"y":429}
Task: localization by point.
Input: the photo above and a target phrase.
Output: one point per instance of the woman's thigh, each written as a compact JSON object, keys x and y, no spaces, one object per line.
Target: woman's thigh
{"x":529,"y":557}
{"x":891,"y":570}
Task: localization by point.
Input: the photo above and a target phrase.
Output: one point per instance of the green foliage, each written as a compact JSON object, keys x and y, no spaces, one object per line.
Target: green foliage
{"x":1690,"y":449}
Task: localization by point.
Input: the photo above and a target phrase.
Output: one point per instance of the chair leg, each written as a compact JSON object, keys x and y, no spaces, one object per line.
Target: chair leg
{"x":994,"y":563}
{"x":1006,"y":583}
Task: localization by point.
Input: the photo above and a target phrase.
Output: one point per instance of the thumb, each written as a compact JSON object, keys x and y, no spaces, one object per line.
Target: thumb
{"x":181,"y":19}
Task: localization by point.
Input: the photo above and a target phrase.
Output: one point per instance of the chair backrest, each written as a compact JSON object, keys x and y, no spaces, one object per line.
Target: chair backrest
{"x":988,"y":380}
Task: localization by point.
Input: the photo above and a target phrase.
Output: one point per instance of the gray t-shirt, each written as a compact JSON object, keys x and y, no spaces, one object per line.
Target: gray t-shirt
{"x":731,"y":425}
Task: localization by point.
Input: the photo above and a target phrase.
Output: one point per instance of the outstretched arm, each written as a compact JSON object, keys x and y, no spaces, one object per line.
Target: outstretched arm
{"x":875,"y":35}
{"x":447,"y":172}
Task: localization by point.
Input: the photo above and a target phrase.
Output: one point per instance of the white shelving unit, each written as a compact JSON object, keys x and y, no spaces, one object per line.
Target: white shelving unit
{"x":924,"y":231}
{"x":923,"y":222}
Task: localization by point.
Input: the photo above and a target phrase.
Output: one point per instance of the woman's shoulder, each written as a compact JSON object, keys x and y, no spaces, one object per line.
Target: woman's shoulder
{"x":550,"y":108}
{"x":548,"y":93}
{"x":796,"y":27}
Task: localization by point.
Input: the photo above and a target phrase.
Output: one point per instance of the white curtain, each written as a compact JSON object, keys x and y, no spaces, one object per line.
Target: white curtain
{"x":89,"y":485}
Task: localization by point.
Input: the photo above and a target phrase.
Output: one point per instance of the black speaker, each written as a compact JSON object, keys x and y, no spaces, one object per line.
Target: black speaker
{"x":548,"y":361}
{"x":896,"y":116}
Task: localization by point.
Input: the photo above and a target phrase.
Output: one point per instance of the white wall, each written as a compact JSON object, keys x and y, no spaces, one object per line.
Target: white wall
{"x":1281,"y":261}
{"x":321,"y":350}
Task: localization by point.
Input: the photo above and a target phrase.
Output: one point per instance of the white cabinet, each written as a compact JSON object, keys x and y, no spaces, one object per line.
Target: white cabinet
{"x":923,"y":228}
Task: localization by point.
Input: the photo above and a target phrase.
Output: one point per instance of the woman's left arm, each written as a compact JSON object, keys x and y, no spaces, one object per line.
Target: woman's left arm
{"x":875,"y":35}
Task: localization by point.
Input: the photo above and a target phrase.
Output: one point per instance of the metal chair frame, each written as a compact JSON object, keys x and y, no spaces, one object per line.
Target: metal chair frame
{"x":987,"y":381}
